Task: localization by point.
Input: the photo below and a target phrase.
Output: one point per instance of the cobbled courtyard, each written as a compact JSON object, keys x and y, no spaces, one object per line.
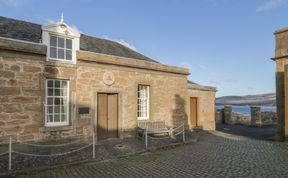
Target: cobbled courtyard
{"x":215,"y":155}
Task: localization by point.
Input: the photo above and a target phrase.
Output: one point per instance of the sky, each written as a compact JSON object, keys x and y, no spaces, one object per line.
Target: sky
{"x":227,"y":44}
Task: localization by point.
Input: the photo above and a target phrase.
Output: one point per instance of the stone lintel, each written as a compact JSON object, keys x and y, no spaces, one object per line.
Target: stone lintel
{"x":22,"y":46}
{"x":128,"y":62}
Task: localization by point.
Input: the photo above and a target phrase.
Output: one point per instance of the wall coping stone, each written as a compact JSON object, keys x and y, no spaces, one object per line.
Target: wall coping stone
{"x":282,"y":30}
{"x":88,"y":56}
{"x":201,"y":88}
{"x":22,"y":46}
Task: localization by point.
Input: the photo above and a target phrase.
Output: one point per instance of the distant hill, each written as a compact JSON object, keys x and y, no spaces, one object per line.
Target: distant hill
{"x":268,"y":99}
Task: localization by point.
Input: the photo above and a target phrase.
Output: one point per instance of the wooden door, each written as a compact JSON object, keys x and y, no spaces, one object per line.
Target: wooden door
{"x":193,"y":111}
{"x":112,"y":115}
{"x":107,"y":119}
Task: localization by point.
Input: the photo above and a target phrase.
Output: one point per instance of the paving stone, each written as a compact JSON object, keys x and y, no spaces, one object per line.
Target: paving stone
{"x":216,"y":155}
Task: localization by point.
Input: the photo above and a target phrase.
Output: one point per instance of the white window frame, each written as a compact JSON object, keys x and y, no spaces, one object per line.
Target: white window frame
{"x":139,"y":103}
{"x":58,"y":59}
{"x":51,"y":124}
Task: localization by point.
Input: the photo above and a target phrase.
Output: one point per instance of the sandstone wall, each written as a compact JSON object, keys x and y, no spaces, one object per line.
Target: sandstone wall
{"x":168,"y":93}
{"x":206,"y":108}
{"x":20,"y":97}
{"x":269,"y":118}
{"x":24,"y":70}
{"x":256,"y":118}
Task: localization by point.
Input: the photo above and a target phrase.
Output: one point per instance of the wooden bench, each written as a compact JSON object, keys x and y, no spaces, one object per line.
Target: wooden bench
{"x":152,"y":127}
{"x":146,"y":128}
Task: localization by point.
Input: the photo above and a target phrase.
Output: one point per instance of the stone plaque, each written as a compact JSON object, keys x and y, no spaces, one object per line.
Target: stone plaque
{"x":108,"y":78}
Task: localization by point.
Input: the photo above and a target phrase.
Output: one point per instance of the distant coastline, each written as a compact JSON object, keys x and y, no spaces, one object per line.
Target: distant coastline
{"x":245,"y":109}
{"x":268,"y":99}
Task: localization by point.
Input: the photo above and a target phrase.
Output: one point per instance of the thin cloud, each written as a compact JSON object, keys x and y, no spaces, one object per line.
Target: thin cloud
{"x":75,"y":27}
{"x":271,"y":5}
{"x":186,"y":65}
{"x":15,"y":3}
{"x":50,"y":21}
{"x":215,"y":3}
{"x":122,"y":42}
{"x":223,"y":80}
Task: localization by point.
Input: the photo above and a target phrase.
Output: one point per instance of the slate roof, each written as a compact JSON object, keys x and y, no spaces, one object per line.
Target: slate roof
{"x":21,"y":30}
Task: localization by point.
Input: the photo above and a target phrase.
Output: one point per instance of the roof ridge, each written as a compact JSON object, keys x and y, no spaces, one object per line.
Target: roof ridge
{"x":20,"y":20}
{"x":30,"y":31}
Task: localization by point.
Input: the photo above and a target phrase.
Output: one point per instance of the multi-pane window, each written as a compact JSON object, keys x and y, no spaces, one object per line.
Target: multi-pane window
{"x":56,"y":102}
{"x":60,"y":48}
{"x":143,"y":102}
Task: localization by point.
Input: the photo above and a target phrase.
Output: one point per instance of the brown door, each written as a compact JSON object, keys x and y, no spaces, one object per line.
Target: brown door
{"x":193,"y":111}
{"x":107,"y":120}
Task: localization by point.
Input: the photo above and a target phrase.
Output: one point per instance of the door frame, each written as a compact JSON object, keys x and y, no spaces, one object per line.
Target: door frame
{"x":197,"y":112}
{"x":95,"y":111}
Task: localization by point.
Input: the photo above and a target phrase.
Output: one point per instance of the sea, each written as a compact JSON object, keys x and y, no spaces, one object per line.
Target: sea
{"x":245,"y":110}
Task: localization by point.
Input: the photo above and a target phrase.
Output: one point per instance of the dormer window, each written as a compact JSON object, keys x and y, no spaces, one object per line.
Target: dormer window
{"x":60,"y":48}
{"x":62,"y":41}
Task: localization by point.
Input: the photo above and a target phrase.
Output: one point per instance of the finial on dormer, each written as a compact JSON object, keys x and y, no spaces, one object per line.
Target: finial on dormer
{"x":62,"y":17}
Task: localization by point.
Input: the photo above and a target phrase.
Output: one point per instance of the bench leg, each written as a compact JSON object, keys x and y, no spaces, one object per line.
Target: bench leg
{"x":146,"y":139}
{"x":171,"y":133}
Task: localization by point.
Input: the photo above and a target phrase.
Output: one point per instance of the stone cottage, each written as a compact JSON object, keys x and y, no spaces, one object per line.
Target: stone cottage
{"x":56,"y":82}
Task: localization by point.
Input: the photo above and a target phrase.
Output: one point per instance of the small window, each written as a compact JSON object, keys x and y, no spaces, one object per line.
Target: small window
{"x":143,"y":102}
{"x":60,"y":48}
{"x":57,"y":102}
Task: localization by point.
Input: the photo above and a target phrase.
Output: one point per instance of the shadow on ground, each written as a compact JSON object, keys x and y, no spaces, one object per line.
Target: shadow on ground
{"x":262,"y":133}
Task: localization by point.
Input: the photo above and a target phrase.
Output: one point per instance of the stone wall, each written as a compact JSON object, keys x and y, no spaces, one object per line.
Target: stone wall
{"x":256,"y":118}
{"x":22,"y":92}
{"x":168,"y":93}
{"x":269,"y":118}
{"x":206,"y":108}
{"x":281,"y":60}
{"x":227,"y":116}
{"x":20,"y":97}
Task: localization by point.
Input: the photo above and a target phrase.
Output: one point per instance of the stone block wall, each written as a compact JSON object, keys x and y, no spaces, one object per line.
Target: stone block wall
{"x":22,"y":92}
{"x":206,"y":108}
{"x":256,"y":118}
{"x":168,"y":93}
{"x":269,"y":118}
{"x":20,"y":97}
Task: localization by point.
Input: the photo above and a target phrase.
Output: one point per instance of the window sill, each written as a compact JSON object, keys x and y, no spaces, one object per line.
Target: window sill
{"x":142,"y":118}
{"x":61,"y":63}
{"x":55,"y":128}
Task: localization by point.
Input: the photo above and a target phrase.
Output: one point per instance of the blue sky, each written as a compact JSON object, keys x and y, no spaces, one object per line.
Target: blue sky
{"x":225,"y":43}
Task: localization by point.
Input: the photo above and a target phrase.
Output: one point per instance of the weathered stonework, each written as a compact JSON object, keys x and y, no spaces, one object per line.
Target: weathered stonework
{"x":206,"y":107}
{"x":281,"y":60}
{"x":22,"y":93}
{"x":256,"y":117}
{"x":18,"y":108}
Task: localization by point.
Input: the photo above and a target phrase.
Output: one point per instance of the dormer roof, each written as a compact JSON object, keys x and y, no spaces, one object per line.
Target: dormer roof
{"x":61,"y":28}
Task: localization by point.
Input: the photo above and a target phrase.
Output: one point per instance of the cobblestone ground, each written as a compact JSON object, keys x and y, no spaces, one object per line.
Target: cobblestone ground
{"x":215,"y":155}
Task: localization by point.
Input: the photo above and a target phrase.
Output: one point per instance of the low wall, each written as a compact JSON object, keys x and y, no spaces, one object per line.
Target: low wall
{"x":256,"y":118}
